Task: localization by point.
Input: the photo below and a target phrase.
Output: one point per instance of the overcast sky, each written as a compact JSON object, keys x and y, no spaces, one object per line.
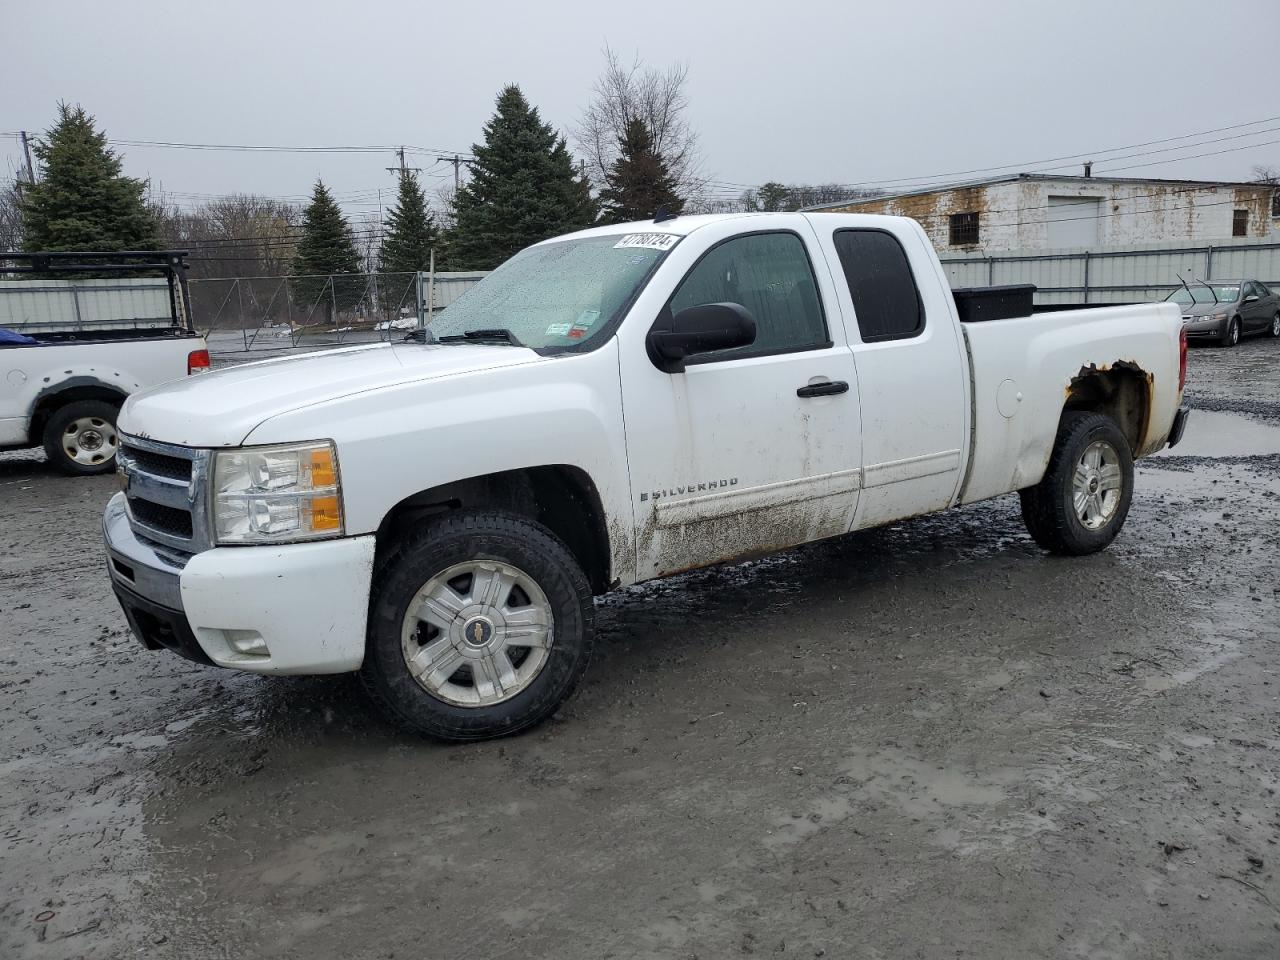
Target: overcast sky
{"x":798,"y":91}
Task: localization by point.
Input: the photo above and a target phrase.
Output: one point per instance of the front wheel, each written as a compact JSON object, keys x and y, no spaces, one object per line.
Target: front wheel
{"x":1081,"y":504}
{"x":81,"y":438}
{"x":1274,"y":329}
{"x":1231,"y":336}
{"x":481,"y":625}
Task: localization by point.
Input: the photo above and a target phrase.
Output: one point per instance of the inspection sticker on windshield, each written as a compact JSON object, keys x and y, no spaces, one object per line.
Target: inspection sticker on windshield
{"x":649,"y":241}
{"x":558,"y":330}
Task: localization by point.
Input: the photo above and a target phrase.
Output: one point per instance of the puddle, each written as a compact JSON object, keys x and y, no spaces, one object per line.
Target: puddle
{"x":1214,"y":434}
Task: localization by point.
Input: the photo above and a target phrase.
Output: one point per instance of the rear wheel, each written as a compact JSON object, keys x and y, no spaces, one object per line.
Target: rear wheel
{"x":81,"y":438}
{"x":1081,"y":504}
{"x":481,"y":625}
{"x":1231,"y":336}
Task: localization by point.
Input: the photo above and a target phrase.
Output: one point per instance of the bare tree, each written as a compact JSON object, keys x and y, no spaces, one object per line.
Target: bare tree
{"x":797,"y":196}
{"x":623,"y":94}
{"x":10,"y":217}
{"x":1265,"y":173}
{"x":367,"y":230}
{"x":236,"y":236}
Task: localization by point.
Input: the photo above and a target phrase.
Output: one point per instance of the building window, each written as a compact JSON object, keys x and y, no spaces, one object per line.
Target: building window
{"x":1275,"y":204}
{"x":1240,"y":223}
{"x":964,"y":229}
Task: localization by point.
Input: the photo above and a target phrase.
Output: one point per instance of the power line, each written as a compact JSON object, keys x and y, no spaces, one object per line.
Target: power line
{"x":1034,"y":163}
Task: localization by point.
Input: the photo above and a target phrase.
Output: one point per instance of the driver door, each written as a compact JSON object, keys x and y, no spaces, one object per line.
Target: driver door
{"x":751,"y":449}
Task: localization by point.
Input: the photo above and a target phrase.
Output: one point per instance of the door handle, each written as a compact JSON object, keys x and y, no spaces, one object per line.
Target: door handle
{"x":828,"y":389}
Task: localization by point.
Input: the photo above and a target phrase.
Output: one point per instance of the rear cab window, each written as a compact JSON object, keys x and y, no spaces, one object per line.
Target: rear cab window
{"x":886,"y":300}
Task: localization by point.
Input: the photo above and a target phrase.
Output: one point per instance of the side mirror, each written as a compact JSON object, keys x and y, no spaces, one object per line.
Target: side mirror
{"x":1251,"y":298}
{"x":701,"y":329}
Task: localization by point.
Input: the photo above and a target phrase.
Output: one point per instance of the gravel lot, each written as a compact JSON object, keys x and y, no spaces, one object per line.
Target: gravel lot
{"x":927,"y":741}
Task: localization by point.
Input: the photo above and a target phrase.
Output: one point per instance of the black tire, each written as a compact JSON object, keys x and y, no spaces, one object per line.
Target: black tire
{"x":1048,"y":508}
{"x":101,"y":418}
{"x":1230,"y":336}
{"x":1274,"y":330}
{"x":457,"y":538}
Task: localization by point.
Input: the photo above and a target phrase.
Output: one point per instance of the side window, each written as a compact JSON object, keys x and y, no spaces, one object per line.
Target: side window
{"x":770,"y":275}
{"x":881,"y":286}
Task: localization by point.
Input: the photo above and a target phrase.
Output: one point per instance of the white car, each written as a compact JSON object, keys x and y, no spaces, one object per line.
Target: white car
{"x":608,"y":407}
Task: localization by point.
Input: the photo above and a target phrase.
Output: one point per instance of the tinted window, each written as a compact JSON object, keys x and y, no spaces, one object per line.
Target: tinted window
{"x":770,"y":275}
{"x":881,"y":286}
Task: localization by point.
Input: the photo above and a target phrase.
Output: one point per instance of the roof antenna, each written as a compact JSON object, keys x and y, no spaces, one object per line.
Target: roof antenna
{"x":664,"y":214}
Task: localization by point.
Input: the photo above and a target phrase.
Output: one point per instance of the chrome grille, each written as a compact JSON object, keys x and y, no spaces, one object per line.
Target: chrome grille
{"x":164,"y":488}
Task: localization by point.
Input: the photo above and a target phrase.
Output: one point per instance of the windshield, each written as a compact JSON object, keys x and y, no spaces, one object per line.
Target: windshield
{"x":558,"y":295}
{"x":1205,"y":295}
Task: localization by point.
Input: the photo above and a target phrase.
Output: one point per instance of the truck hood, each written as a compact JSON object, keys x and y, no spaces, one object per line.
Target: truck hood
{"x":220,"y":409}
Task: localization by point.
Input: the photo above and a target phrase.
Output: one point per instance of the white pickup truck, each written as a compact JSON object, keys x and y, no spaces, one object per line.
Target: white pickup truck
{"x":79,"y":332}
{"x":608,"y":407}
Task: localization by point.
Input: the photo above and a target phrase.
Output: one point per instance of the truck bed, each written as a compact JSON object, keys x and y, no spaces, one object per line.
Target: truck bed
{"x":1022,"y":369}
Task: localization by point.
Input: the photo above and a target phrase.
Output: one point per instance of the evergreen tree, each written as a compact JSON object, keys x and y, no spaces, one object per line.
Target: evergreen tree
{"x":83,"y":201}
{"x":326,"y":248}
{"x":639,"y":182}
{"x":523,"y":188}
{"x":410,"y":230}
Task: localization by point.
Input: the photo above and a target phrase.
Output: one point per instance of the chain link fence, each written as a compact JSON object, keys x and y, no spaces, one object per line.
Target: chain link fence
{"x":240,"y":315}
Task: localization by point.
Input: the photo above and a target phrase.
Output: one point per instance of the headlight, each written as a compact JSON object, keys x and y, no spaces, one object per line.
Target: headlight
{"x":1218,"y":316}
{"x":277,"y":494}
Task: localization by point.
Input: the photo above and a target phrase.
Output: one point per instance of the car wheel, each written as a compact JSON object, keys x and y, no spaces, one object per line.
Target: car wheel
{"x":81,"y":439}
{"x":481,"y":625}
{"x":1083,"y":500}
{"x":1231,"y":336}
{"x":1274,"y":329}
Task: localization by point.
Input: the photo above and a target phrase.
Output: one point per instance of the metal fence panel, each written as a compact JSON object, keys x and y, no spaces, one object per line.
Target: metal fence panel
{"x":77,"y":305}
{"x":1117,"y":274}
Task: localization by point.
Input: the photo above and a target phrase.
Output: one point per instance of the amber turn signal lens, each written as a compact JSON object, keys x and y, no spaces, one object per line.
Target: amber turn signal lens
{"x":322,"y":472}
{"x":325,"y":513}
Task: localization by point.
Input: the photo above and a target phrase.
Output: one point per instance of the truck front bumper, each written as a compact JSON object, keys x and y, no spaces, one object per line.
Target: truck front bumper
{"x":301,"y":607}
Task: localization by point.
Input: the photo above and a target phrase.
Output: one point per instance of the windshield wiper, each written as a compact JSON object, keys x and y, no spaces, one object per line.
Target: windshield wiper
{"x":422,"y":335}
{"x":490,"y":334}
{"x":1213,"y":293}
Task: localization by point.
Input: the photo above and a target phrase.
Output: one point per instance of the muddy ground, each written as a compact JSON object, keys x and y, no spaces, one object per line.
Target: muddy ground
{"x":929,"y":741}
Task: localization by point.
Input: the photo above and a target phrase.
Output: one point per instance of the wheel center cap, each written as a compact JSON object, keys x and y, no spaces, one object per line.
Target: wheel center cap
{"x":477,"y":632}
{"x":90,"y":440}
{"x":1093,"y":484}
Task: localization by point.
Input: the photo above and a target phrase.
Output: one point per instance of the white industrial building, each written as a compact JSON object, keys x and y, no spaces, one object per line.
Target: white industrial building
{"x":1028,"y":212}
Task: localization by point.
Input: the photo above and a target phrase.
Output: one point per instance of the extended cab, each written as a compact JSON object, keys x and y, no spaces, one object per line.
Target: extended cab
{"x":608,"y":407}
{"x":80,"y":332}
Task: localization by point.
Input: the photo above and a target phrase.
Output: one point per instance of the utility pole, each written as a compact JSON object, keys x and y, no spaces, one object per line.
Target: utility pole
{"x":26,"y":152}
{"x":402,"y":169}
{"x":457,"y":173}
